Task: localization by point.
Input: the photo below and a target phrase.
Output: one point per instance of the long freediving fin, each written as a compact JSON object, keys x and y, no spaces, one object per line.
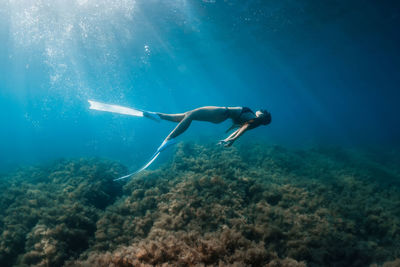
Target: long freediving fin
{"x":123,"y":110}
{"x":166,"y":144}
{"x":163,"y":146}
{"x":152,"y":159}
{"x":115,"y":109}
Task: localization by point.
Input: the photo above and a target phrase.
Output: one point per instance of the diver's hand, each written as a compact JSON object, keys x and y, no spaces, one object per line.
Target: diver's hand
{"x":225,"y":143}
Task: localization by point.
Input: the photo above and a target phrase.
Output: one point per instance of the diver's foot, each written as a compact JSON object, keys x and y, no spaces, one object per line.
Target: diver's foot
{"x":152,"y":115}
{"x":166,"y":144}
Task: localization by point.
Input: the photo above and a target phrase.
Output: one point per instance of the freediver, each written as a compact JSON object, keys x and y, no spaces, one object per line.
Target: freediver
{"x":243,"y":119}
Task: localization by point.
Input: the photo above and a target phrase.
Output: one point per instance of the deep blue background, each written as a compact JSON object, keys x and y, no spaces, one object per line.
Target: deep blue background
{"x":327,"y":70}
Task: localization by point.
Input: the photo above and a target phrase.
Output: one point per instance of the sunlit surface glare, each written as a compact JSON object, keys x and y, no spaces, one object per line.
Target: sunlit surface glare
{"x":61,"y":33}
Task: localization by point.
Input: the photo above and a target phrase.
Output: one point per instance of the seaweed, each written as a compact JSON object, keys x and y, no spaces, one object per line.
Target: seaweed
{"x":253,"y":205}
{"x":49,"y":214}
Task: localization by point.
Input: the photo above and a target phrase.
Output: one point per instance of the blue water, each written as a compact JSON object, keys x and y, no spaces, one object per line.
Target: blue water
{"x":328,"y":72}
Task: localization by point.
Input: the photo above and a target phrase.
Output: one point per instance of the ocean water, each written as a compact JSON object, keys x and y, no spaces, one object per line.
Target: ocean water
{"x":318,"y":186}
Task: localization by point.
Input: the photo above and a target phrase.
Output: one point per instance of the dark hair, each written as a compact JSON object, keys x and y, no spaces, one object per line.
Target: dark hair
{"x":265,"y":118}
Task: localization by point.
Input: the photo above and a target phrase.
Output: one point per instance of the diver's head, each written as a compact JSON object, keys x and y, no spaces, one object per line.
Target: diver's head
{"x":264,"y":116}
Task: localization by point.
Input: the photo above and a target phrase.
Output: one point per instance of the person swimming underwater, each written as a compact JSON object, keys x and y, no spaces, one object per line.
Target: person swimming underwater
{"x":243,"y":118}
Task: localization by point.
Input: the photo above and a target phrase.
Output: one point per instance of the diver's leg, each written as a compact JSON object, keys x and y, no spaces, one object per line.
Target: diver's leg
{"x":181,"y":127}
{"x":171,"y":117}
{"x":162,"y":116}
{"x":210,"y":114}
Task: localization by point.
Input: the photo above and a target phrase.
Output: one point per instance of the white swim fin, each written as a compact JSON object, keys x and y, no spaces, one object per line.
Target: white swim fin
{"x":166,"y":144}
{"x":123,"y":110}
{"x":115,"y":109}
{"x":162,"y":147}
{"x":152,"y":159}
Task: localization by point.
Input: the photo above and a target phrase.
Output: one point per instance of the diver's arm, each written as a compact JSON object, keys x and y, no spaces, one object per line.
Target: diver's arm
{"x":235,"y":135}
{"x":232,"y":135}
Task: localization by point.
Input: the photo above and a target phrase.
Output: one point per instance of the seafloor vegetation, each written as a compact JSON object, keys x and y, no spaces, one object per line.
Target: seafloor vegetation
{"x":255,"y":205}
